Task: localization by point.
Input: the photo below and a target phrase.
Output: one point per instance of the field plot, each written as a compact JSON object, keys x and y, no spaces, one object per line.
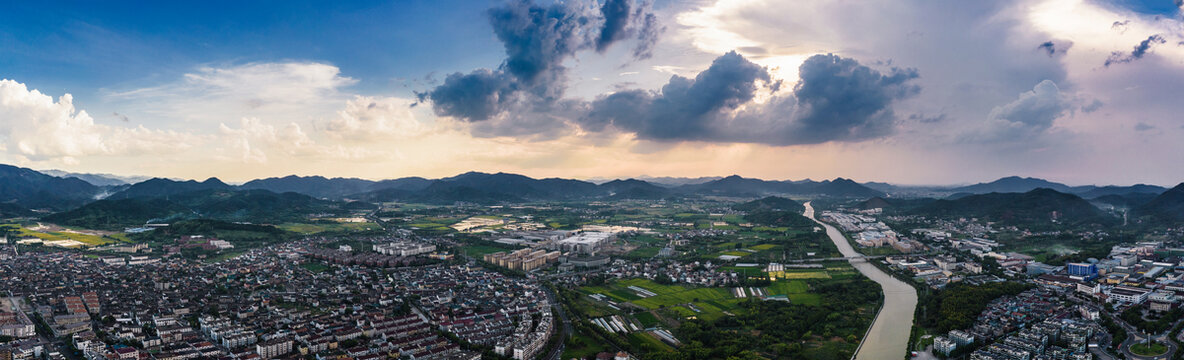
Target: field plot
{"x":321,"y":227}
{"x":665,"y":296}
{"x":799,"y":274}
{"x":53,"y":233}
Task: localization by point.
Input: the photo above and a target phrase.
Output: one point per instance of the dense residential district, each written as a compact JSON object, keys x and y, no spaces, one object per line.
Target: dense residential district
{"x":708,"y":275}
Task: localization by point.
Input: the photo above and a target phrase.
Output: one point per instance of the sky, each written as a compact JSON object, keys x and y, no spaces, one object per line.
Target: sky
{"x":901,"y":91}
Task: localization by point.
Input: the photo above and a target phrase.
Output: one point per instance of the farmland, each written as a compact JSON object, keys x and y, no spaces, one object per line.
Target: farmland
{"x":327,"y":227}
{"x":56,"y":233}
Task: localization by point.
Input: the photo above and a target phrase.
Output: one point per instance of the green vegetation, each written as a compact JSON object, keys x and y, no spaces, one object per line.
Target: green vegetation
{"x":1159,"y":323}
{"x":773,"y":329}
{"x":259,"y":206}
{"x":478,"y":251}
{"x":958,"y":305}
{"x":1117,"y":333}
{"x":824,"y":318}
{"x":779,"y":218}
{"x":315,"y":267}
{"x":92,"y":238}
{"x":329,"y":226}
{"x":771,"y":203}
{"x":242,"y":236}
{"x":1034,"y":209}
{"x":1152,"y":349}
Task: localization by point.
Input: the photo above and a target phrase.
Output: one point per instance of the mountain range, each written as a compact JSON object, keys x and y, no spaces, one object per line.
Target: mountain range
{"x":1038,"y":206}
{"x":1016,"y":184}
{"x":77,"y":201}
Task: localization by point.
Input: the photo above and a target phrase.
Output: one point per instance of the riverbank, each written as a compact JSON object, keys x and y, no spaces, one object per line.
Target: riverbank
{"x":888,"y":337}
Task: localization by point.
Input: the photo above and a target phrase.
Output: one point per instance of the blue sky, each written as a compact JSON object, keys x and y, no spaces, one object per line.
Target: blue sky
{"x":98,"y":44}
{"x":906,"y":91}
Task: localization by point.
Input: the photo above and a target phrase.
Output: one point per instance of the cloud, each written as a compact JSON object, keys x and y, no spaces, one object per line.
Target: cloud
{"x":1120,"y":26}
{"x":685,"y":108}
{"x":537,"y":40}
{"x":253,"y":140}
{"x":211,"y":94}
{"x":255,"y":84}
{"x":475,"y":96}
{"x":372,"y":118}
{"x":625,"y":18}
{"x":1119,"y":57}
{"x":1142,"y":126}
{"x":37,"y":128}
{"x":1028,"y":116}
{"x":836,"y":99}
{"x":647,"y":36}
{"x":1051,"y":48}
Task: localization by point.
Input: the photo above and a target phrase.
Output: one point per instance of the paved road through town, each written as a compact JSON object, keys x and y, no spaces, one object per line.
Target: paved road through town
{"x":889,"y":336}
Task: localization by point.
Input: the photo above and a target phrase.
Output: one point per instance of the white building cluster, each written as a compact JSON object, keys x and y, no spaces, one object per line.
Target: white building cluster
{"x":404,"y":248}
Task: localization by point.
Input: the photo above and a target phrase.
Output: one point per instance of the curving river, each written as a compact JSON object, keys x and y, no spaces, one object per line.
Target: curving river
{"x":889,"y":336}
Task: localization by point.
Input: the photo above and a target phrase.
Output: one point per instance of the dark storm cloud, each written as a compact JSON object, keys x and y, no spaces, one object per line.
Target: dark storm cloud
{"x":474,"y":96}
{"x":1054,"y":48}
{"x":647,"y":36}
{"x":1048,"y":47}
{"x":537,"y":39}
{"x":616,"y":18}
{"x":685,"y":109}
{"x":837,"y":99}
{"x":1119,"y":57}
{"x":629,"y":18}
{"x":843,"y":100}
{"x":920,"y":118}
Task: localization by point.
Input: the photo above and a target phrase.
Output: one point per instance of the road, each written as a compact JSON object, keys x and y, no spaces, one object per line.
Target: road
{"x":1135,"y":337}
{"x":566,"y":329}
{"x":888,"y":338}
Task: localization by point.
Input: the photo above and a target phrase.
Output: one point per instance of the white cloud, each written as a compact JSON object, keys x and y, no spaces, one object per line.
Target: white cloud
{"x":253,"y":140}
{"x":213,"y":94}
{"x":1030,"y":115}
{"x":372,"y":118}
{"x":290,"y":82}
{"x":37,"y":128}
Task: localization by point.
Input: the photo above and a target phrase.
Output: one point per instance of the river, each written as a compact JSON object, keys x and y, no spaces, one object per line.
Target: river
{"x":888,"y":338}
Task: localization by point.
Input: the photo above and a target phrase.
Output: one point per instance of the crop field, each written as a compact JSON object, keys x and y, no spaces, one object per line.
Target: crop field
{"x":796,"y":290}
{"x":711,"y":302}
{"x":735,"y":253}
{"x":47,"y":233}
{"x":799,"y":274}
{"x":307,"y":228}
{"x":644,"y":340}
{"x":478,"y":251}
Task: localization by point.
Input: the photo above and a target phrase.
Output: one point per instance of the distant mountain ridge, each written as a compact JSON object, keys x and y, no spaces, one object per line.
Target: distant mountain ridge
{"x":481,"y":187}
{"x":1012,"y":184}
{"x":260,"y":206}
{"x":1016,"y":184}
{"x":1039,"y":206}
{"x":160,"y":187}
{"x":22,"y":190}
{"x":1167,"y":207}
{"x":97,"y":179}
{"x":736,"y":185}
{"x":30,"y":189}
